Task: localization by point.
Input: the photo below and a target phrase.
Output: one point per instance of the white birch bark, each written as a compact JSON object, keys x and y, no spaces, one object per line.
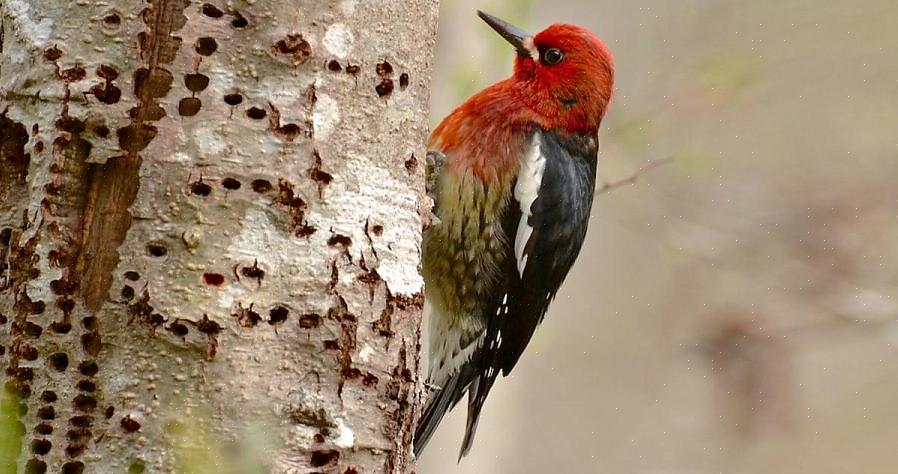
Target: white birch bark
{"x":210,"y":221}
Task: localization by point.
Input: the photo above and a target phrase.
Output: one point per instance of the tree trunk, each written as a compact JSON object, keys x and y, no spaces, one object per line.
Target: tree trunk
{"x":210,"y":222}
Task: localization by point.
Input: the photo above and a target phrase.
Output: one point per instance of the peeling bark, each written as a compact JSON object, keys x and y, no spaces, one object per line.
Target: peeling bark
{"x":210,"y":234}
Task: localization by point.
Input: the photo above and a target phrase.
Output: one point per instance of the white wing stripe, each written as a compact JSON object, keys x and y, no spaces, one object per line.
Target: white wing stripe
{"x":526,"y":191}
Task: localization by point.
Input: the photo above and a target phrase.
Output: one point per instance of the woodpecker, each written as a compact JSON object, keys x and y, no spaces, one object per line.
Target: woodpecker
{"x":512,"y":173}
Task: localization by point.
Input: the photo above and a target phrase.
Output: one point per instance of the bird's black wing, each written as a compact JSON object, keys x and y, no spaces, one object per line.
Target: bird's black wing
{"x":544,"y":239}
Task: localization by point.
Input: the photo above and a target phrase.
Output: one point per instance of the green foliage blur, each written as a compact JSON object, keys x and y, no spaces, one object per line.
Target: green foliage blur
{"x":11,"y":431}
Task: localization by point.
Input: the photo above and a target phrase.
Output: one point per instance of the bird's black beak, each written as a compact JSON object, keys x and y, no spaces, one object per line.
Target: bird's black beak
{"x":520,"y":39}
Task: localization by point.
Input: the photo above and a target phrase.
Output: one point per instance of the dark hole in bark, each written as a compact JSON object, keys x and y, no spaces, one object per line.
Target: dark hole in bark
{"x":85,"y":403}
{"x":189,"y":106}
{"x":324,"y":457}
{"x":58,"y":287}
{"x":78,"y":436}
{"x":101,"y":131}
{"x":261,"y":185}
{"x":41,"y":446}
{"x":384,"y":69}
{"x":339,"y":240}
{"x":22,"y":373}
{"x":403,"y":80}
{"x":91,"y":323}
{"x":91,"y":343}
{"x":213,"y":279}
{"x":43,"y":428}
{"x":38,"y":307}
{"x":110,"y":410}
{"x":156,"y":249}
{"x":291,"y":130}
{"x":230,"y":183}
{"x":28,"y":352}
{"x":196,"y":82}
{"x":87,"y":386}
{"x":296,"y":46}
{"x":208,"y":326}
{"x":59,"y":361}
{"x":107,"y":94}
{"x":256,"y":113}
{"x":334,"y":66}
{"x":253,"y":272}
{"x":320,"y":176}
{"x":74,"y":73}
{"x":331,"y":345}
{"x":60,"y":327}
{"x":127,"y":292}
{"x":178,"y":329}
{"x":81,"y":421}
{"x":66,"y":305}
{"x":107,"y":72}
{"x":73,"y":451}
{"x":411,"y":164}
{"x":88,"y":368}
{"x":247,"y":317}
{"x":132,"y":275}
{"x":233,"y":99}
{"x":239,"y":21}
{"x":278,"y":314}
{"x":48,"y":396}
{"x":212,"y":11}
{"x":385,"y":87}
{"x":129,"y":424}
{"x":52,"y":53}
{"x":201,"y":188}
{"x":73,"y":467}
{"x":112,"y":20}
{"x":32,"y":330}
{"x":206,"y":46}
{"x":35,"y":466}
{"x":46,"y":412}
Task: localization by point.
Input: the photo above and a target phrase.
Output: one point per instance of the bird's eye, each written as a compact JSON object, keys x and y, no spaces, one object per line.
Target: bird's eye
{"x":552,"y":56}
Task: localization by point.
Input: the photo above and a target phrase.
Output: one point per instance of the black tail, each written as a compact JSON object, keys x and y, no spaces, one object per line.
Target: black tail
{"x":467,"y":379}
{"x":441,"y":401}
{"x":477,"y":392}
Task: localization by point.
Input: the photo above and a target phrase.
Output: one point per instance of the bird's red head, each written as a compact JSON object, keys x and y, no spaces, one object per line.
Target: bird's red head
{"x":564,"y":73}
{"x":563,"y":80}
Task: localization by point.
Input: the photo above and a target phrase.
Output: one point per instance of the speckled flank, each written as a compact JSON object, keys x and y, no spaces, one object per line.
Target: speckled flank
{"x":460,"y":237}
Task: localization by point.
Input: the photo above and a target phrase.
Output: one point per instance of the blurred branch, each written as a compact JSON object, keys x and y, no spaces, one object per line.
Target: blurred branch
{"x":610,"y":186}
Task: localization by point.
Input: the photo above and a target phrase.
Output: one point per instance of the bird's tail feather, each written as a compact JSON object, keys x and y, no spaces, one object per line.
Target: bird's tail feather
{"x":440,"y":403}
{"x":477,"y":393}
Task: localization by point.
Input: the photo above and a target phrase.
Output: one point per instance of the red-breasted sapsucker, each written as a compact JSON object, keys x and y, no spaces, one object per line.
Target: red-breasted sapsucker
{"x":513,"y":177}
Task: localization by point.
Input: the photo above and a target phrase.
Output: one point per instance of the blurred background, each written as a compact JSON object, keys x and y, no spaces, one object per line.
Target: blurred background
{"x":733,"y":311}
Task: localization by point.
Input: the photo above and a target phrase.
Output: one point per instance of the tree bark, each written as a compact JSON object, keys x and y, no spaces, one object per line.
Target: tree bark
{"x":210,"y":224}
